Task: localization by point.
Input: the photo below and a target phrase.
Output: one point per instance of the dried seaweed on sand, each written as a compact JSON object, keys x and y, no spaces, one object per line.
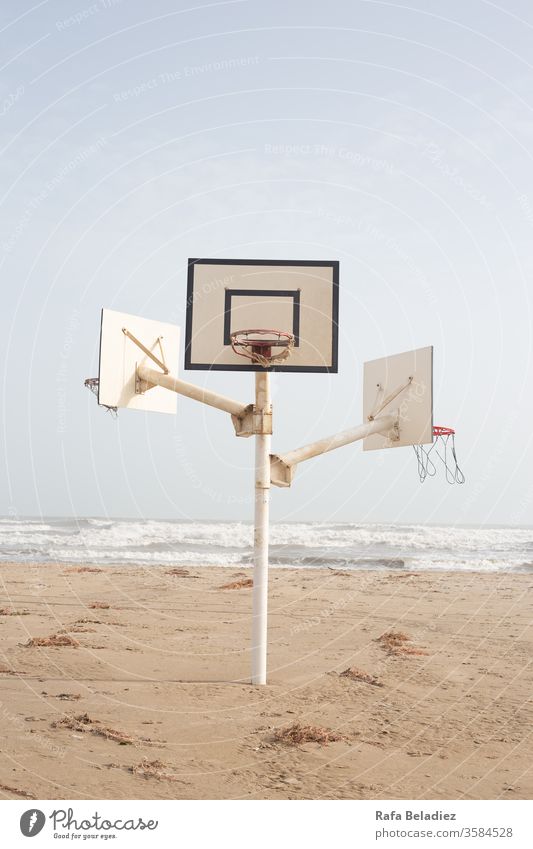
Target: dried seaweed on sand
{"x":356,"y":674}
{"x":243,"y":583}
{"x":85,"y":621}
{"x":152,"y":769}
{"x":99,"y":605}
{"x":296,"y":734}
{"x":394,"y":642}
{"x":84,"y":723}
{"x":7,"y":611}
{"x":17,"y":791}
{"x":82,"y":569}
{"x":57,"y":640}
{"x":395,"y":577}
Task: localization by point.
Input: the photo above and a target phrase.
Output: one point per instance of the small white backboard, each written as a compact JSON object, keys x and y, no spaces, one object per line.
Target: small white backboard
{"x":229,"y":295}
{"x":120,"y":356}
{"x":401,"y":384}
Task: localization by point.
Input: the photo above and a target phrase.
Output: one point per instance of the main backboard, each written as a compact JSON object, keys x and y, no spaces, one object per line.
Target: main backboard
{"x":401,"y":384}
{"x":228,"y":295}
{"x":120,"y":356}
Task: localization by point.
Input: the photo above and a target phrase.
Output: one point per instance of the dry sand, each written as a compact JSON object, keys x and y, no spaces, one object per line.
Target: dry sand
{"x":151,"y":701}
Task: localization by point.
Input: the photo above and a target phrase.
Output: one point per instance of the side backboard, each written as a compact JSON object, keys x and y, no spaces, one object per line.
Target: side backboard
{"x":402,"y":384}
{"x":228,"y":295}
{"x":120,"y":356}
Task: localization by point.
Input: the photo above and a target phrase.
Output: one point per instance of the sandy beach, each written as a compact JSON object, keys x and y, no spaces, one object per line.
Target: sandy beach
{"x":145,"y":693}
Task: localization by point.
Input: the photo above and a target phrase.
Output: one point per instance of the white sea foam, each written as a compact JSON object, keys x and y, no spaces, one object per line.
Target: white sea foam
{"x":345,"y":545}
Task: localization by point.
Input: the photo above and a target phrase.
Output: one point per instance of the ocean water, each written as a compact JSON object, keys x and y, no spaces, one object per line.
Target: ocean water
{"x":309,"y":544}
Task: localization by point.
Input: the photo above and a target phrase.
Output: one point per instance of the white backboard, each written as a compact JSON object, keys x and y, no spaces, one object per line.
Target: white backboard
{"x":119,"y":357}
{"x":409,"y":378}
{"x":298,"y":297}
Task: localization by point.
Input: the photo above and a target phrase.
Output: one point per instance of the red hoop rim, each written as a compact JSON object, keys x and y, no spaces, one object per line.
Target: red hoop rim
{"x":439,"y":430}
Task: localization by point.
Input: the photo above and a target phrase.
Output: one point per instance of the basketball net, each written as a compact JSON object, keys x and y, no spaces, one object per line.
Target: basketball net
{"x":442,"y":447}
{"x":92,"y":383}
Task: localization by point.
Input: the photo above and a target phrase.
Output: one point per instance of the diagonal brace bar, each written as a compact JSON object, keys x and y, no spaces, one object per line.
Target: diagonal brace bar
{"x":146,"y":350}
{"x":386,"y":401}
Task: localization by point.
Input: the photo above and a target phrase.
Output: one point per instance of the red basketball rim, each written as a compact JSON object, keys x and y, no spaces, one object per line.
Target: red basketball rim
{"x":439,"y":430}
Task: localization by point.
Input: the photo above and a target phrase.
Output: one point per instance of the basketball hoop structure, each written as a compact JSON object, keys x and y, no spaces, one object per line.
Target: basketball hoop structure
{"x":257,"y":345}
{"x":444,"y":448}
{"x":138,"y":370}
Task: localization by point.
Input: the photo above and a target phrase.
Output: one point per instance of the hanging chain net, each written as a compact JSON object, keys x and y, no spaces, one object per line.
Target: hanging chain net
{"x":259,"y":359}
{"x":92,"y":383}
{"x":246,"y":343}
{"x":443,"y":448}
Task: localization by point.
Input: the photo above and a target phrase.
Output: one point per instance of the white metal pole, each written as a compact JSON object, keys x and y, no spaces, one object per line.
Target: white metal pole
{"x":261,"y":517}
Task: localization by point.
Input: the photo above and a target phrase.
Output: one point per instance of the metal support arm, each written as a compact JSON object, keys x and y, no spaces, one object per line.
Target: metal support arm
{"x":283,"y":466}
{"x":149,"y":377}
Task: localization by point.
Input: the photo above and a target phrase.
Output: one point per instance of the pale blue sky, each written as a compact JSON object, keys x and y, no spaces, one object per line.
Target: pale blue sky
{"x":397,"y":139}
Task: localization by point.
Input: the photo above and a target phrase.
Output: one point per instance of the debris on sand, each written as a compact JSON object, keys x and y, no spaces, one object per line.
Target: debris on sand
{"x":152,"y":769}
{"x":243,"y":583}
{"x":178,"y":573}
{"x":394,"y":577}
{"x":356,"y":674}
{"x":390,"y":639}
{"x":338,"y":572}
{"x":57,"y":640}
{"x":414,"y":650}
{"x":295,"y":734}
{"x":394,"y":643}
{"x":87,"y":622}
{"x":6,"y":611}
{"x":84,"y":723}
{"x":99,"y":605}
{"x":82,"y":569}
{"x":17,"y":791}
{"x":68,"y":697}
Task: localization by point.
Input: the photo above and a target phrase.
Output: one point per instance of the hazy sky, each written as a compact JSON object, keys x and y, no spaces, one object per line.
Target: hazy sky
{"x":395,"y":138}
